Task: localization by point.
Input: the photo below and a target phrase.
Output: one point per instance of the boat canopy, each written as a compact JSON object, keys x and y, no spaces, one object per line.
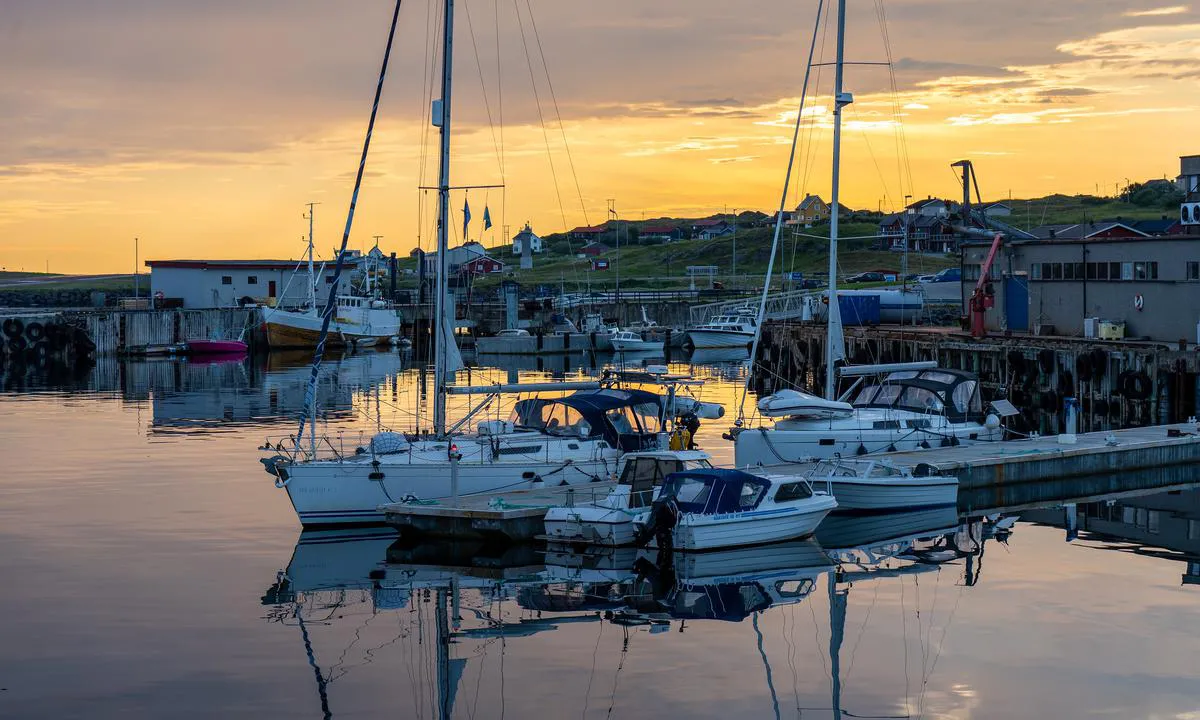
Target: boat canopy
{"x":621,"y":417}
{"x":953,"y":393}
{"x":713,"y":490}
{"x":796,"y":403}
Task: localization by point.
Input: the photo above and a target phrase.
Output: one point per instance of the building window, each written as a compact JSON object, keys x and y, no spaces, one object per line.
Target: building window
{"x":226,"y":279}
{"x":1152,"y":267}
{"x":1035,"y":271}
{"x":1114,"y":271}
{"x":1126,"y":271}
{"x":251,"y":279}
{"x":1193,"y":270}
{"x":1078,"y":271}
{"x":1101,"y":271}
{"x":1056,"y":271}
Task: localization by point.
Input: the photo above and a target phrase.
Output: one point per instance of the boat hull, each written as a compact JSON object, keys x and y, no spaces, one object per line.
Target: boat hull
{"x":636,"y":345}
{"x":754,"y":447}
{"x":707,"y":339}
{"x":757,"y":527}
{"x":892,"y":493}
{"x":291,"y":330}
{"x":339,"y":493}
{"x":216,"y":347}
{"x":590,"y":525}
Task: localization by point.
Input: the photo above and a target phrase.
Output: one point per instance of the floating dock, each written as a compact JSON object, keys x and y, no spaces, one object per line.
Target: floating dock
{"x":997,"y":464}
{"x":512,"y":516}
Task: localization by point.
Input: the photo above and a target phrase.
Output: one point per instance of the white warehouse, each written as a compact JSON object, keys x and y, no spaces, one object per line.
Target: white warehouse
{"x":222,"y":283}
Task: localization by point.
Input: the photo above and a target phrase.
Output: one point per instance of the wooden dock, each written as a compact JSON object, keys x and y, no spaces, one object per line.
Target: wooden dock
{"x":989,"y":465}
{"x":515,"y":516}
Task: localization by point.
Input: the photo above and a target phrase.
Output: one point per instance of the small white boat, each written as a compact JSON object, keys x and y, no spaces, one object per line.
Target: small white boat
{"x":797,"y":403}
{"x":627,"y":340}
{"x":718,"y":508}
{"x":609,"y":521}
{"x":513,"y":332}
{"x":873,"y":485}
{"x":726,"y":331}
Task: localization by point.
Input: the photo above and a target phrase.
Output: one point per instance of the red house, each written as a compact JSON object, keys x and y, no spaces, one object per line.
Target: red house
{"x":600,"y":264}
{"x":587,"y":234}
{"x":593,"y":249}
{"x":482,"y":265}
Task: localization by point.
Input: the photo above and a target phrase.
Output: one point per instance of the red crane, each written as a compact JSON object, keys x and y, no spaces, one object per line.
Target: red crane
{"x":984,"y":295}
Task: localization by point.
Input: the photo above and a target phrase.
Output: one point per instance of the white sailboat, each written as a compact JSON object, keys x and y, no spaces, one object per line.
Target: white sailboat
{"x":576,"y":439}
{"x":914,"y":406}
{"x":359,"y":321}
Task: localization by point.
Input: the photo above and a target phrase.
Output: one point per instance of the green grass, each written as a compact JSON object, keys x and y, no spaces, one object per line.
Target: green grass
{"x":1058,"y":209}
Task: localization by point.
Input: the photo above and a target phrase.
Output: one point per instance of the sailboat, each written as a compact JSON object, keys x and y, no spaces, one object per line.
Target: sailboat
{"x":574,"y":439}
{"x":913,"y":406}
{"x":360,"y":320}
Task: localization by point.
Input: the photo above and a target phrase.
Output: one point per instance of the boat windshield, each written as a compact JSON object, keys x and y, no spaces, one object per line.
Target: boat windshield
{"x":552,"y":418}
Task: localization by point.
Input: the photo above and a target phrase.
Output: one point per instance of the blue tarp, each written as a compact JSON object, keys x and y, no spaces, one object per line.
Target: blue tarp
{"x":724,"y":490}
{"x":859,"y":309}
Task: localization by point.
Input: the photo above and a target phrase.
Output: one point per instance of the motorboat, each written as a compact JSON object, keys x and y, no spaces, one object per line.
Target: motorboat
{"x":628,"y":340}
{"x":609,"y":521}
{"x":724,"y":331}
{"x":513,"y":332}
{"x":905,"y":410}
{"x":718,"y":508}
{"x":574,"y":439}
{"x":874,"y":484}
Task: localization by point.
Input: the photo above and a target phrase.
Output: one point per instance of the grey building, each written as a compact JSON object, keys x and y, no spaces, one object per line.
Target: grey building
{"x":222,"y":283}
{"x":1152,"y":284}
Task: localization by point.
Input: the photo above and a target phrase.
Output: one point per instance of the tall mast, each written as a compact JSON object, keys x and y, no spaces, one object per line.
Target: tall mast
{"x":833,"y":339}
{"x":312,"y":277}
{"x":441,"y":118}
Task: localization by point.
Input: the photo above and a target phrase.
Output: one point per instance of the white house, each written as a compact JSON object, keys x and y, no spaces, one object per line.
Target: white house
{"x":222,"y":283}
{"x":526,"y":234}
{"x":456,"y":257}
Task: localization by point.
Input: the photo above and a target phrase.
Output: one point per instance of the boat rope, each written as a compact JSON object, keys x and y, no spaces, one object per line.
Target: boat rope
{"x":331,"y":303}
{"x":762,"y":303}
{"x":767,"y":665}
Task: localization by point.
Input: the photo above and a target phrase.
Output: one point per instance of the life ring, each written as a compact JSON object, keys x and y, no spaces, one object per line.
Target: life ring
{"x":1139,"y":302}
{"x":35,"y":331}
{"x":13,"y":328}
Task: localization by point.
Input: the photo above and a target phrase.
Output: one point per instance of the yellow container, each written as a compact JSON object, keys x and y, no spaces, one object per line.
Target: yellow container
{"x":1112,"y":330}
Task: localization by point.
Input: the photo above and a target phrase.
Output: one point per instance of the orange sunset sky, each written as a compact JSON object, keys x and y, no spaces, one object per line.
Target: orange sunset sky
{"x":203,"y":128}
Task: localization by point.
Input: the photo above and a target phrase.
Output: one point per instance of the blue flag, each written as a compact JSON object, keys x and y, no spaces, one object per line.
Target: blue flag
{"x":466,"y":217}
{"x":487,"y":218}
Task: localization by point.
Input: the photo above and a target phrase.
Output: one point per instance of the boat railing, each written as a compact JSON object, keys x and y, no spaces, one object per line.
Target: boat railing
{"x":326,"y":447}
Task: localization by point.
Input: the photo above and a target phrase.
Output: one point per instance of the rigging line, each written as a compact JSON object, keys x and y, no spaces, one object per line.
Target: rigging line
{"x":487,"y":106}
{"x":432,"y":30}
{"x":814,"y":126}
{"x":902,"y":135}
{"x":787,"y":179}
{"x":331,"y":304}
{"x":767,"y":665}
{"x":817,"y":638}
{"x":861,"y":632}
{"x":904,"y":643}
{"x":875,"y":161}
{"x":554,"y":99}
{"x":541,"y":118}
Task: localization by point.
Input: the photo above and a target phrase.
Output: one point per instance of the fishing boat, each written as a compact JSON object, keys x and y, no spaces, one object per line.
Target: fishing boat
{"x":724,"y":331}
{"x":358,"y":321}
{"x":628,"y":340}
{"x":717,"y":508}
{"x":609,"y":521}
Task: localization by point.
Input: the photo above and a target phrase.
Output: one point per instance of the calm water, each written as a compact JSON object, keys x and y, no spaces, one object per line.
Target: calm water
{"x":151,"y":569}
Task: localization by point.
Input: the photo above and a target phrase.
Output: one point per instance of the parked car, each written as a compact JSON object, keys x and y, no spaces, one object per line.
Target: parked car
{"x":863,"y":277}
{"x":952,"y":274}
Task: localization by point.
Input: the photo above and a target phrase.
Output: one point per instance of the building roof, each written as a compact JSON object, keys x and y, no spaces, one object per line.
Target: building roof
{"x":710,"y":222}
{"x":653,"y":229}
{"x":987,"y":206}
{"x":810,"y":200}
{"x":927,"y":201}
{"x":582,"y":229}
{"x":225,"y":264}
{"x":1077,"y":231}
{"x":1152,"y":227}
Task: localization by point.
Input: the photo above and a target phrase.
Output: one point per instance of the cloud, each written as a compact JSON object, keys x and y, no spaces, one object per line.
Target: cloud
{"x":1155,"y":12}
{"x":738,"y":159}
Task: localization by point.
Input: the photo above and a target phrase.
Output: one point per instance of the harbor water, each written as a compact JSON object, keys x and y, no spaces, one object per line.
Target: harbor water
{"x":151,"y":569}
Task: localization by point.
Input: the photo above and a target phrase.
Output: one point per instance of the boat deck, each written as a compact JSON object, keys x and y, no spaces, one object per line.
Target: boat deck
{"x":516,"y":515}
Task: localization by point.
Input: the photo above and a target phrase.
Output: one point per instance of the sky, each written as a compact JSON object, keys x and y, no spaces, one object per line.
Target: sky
{"x":203,"y":129}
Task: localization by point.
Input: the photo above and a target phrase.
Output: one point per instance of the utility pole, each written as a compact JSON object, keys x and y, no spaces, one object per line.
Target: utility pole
{"x":612,"y":212}
{"x":734,"y":236}
{"x":135,"y":268}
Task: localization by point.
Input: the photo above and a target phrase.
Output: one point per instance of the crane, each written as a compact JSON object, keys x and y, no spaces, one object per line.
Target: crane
{"x":984,"y":295}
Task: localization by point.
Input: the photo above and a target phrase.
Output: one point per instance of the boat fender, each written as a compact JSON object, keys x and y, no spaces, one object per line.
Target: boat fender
{"x":954,"y":441}
{"x":35,"y":331}
{"x":925,"y":445}
{"x":862,"y":449}
{"x":375,"y":474}
{"x":13,"y":328}
{"x":945,"y":442}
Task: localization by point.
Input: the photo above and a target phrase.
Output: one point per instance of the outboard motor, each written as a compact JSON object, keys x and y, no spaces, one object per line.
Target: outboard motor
{"x":664,"y":516}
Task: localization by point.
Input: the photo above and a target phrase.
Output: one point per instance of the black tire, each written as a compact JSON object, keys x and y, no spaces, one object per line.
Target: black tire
{"x":1046,"y":360}
{"x":1083,"y":367}
{"x":56,"y":335}
{"x":38,"y":354}
{"x":1099,"y":363}
{"x":35,"y":331}
{"x":13,"y":328}
{"x":17,"y":345}
{"x":1137,"y":386}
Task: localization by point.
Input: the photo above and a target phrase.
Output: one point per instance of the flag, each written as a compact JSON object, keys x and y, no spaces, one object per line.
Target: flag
{"x":487,"y":218}
{"x":466,"y":217}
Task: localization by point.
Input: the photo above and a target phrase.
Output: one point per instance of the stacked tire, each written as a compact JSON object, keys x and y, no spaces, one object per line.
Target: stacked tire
{"x":31,"y":342}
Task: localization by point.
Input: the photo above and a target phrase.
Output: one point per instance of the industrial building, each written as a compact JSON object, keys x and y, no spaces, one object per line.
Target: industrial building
{"x":198,"y":284}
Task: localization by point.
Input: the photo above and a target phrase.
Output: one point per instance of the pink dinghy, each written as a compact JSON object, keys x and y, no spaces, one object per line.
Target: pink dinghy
{"x":216,"y":347}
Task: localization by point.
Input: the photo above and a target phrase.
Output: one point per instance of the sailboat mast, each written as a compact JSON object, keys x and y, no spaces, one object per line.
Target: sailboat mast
{"x":441,"y":118}
{"x":312,"y":277}
{"x":840,"y":100}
